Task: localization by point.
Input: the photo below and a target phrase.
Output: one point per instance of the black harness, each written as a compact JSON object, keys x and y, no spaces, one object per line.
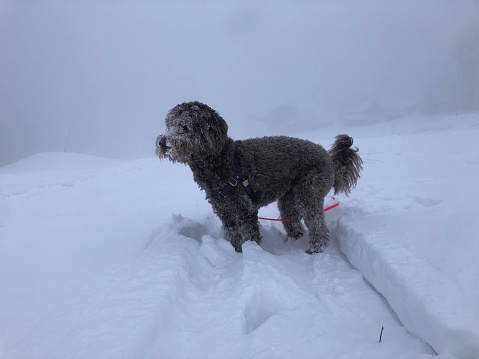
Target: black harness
{"x":233,"y":182}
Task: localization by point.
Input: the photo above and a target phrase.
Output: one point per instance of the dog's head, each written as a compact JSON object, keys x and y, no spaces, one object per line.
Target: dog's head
{"x":193,"y":130}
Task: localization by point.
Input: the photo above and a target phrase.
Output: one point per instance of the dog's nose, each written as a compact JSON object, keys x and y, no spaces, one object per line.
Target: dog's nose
{"x":161,"y":141}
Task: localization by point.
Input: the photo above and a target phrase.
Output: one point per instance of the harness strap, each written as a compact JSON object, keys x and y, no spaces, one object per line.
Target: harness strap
{"x":244,"y":180}
{"x":233,"y":182}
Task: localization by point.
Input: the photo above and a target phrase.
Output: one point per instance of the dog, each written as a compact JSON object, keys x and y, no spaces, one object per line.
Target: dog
{"x":241,"y":176}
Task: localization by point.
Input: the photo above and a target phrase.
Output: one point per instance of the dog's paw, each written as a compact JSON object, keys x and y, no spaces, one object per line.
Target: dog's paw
{"x":295,"y":233}
{"x":316,"y":248}
{"x":293,"y":229}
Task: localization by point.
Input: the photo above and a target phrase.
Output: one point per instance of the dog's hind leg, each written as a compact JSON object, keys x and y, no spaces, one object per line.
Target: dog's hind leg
{"x":310,"y":193}
{"x":318,"y":232}
{"x":288,"y":211}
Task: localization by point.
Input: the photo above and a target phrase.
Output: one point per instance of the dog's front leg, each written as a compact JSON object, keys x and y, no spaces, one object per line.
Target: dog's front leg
{"x":233,"y":235}
{"x":239,"y":224}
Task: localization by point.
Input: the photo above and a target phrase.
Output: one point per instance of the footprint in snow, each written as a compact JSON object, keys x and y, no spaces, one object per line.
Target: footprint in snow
{"x":218,"y":252}
{"x":264,"y":304}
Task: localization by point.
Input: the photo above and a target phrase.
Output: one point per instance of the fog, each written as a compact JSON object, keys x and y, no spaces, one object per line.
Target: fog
{"x":97,"y":77}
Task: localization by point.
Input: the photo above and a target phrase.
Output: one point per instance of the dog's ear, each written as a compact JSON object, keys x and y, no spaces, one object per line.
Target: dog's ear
{"x":210,"y":125}
{"x":217,"y":134}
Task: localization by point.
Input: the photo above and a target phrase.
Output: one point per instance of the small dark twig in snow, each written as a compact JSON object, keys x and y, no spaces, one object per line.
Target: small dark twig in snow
{"x":70,"y":133}
{"x":381,"y":335}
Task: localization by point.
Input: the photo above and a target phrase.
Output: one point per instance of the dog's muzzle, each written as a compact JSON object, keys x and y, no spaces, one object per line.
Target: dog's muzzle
{"x":162,"y":146}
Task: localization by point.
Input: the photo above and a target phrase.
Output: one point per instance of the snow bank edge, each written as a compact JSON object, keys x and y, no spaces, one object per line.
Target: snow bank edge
{"x":409,"y":305}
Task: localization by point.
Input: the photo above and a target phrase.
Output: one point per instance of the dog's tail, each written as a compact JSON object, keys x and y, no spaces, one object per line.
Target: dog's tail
{"x":347,"y":164}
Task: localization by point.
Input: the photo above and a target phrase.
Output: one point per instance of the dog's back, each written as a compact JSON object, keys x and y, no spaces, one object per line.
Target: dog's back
{"x":276,"y":164}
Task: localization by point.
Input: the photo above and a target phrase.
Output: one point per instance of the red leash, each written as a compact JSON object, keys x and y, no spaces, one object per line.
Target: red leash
{"x":295,"y":219}
{"x":331,"y":207}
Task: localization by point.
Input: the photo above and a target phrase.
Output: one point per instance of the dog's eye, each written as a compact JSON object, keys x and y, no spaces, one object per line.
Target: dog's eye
{"x":184,"y":128}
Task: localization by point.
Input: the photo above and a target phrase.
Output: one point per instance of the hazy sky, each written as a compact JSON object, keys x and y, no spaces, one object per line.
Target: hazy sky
{"x":108,"y":71}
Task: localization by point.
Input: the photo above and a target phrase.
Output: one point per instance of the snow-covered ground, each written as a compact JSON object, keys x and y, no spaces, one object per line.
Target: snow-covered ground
{"x":124,"y":259}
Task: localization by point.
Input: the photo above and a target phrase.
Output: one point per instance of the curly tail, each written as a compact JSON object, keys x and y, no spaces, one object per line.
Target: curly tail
{"x":347,"y":164}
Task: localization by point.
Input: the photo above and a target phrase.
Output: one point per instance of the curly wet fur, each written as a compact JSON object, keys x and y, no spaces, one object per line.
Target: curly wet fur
{"x":294,"y":172}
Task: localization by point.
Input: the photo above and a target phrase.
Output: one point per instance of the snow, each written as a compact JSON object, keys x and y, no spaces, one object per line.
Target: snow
{"x":108,"y":258}
{"x":422,"y":251}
